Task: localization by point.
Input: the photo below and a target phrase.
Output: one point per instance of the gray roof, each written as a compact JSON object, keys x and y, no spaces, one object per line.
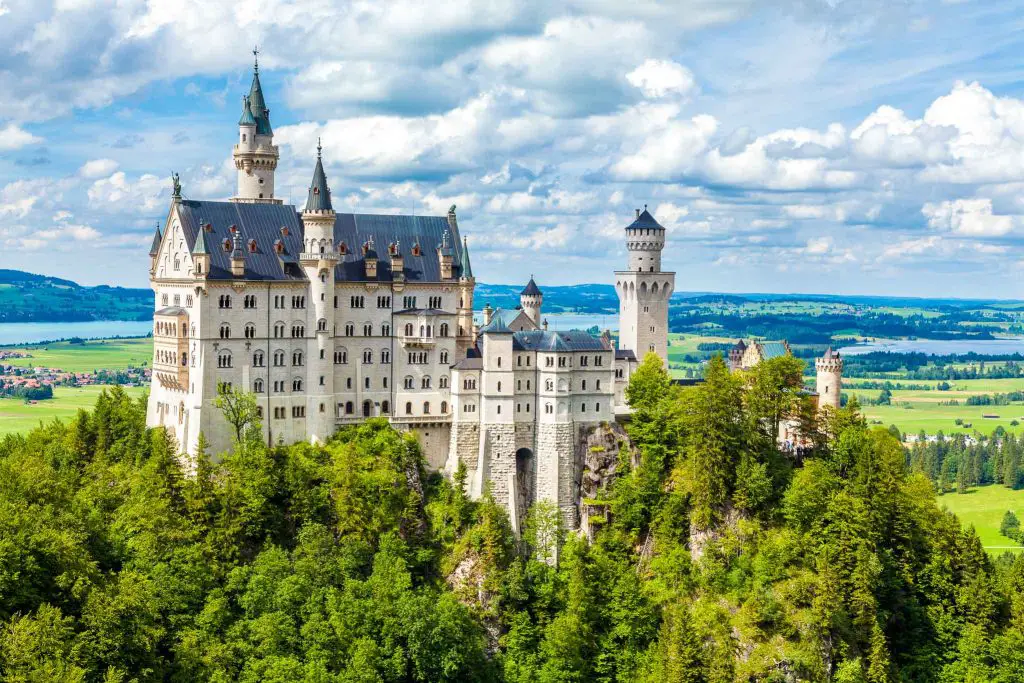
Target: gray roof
{"x":171,"y":310}
{"x":319,"y":198}
{"x":830,"y":354}
{"x":262,"y":222}
{"x":247,"y":119}
{"x":471,"y":363}
{"x":422,"y":311}
{"x":531,"y":289}
{"x":157,"y":238}
{"x":624,"y":354}
{"x":258,"y":105}
{"x":562,"y":341}
{"x":645,"y":221}
{"x":200,"y":245}
{"x":465,"y":269}
{"x":496,"y":326}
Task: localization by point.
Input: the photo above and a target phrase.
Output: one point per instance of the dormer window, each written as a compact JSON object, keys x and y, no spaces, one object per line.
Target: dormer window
{"x":342,"y":249}
{"x":227,"y":245}
{"x":316,"y":190}
{"x":252,"y":246}
{"x":416,"y":249}
{"x":208,"y":227}
{"x":284,"y":231}
{"x":233,"y":229}
{"x":279,"y":247}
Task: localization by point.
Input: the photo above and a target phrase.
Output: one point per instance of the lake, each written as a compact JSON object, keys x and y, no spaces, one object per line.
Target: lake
{"x":31,"y":333}
{"x":940,"y":347}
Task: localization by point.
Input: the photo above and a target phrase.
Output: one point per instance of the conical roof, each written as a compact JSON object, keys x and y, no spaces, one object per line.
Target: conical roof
{"x":319,"y":198}
{"x":258,"y":105}
{"x":157,"y":238}
{"x":646,"y":221}
{"x":200,"y":246}
{"x":464,"y":265}
{"x":531,"y":289}
{"x":247,"y":118}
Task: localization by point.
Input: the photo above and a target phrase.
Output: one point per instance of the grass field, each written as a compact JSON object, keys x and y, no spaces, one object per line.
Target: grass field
{"x":18,"y":416}
{"x":100,"y":354}
{"x":983,"y":508}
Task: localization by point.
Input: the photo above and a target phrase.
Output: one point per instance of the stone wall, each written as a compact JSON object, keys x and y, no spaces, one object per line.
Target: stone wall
{"x":556,"y":470}
{"x":464,"y":447}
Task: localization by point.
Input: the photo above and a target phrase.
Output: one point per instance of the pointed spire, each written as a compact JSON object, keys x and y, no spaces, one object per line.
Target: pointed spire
{"x":256,"y":102}
{"x":464,"y":265}
{"x":247,"y":118}
{"x":531,"y":288}
{"x":200,"y":246}
{"x":319,"y":198}
{"x":157,"y":238}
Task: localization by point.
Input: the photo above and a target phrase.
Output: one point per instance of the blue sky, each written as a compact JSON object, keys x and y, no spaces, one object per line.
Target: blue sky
{"x":832,"y":146}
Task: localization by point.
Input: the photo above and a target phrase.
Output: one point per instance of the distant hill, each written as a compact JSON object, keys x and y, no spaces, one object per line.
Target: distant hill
{"x":564,"y":299}
{"x":27,"y":297}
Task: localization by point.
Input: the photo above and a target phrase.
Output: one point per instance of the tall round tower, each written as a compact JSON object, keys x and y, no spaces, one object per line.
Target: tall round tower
{"x":255,"y":154}
{"x":318,"y":259}
{"x":644,"y":290}
{"x":531,"y":299}
{"x":830,"y":379}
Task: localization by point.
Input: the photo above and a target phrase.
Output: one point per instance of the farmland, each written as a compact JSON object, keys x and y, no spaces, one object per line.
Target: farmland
{"x":983,"y":508}
{"x":18,"y":416}
{"x":88,"y":356}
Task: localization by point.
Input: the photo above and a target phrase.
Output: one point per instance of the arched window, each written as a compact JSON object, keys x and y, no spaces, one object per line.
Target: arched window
{"x":225,"y":331}
{"x":444,"y":329}
{"x":257,"y":386}
{"x":385,"y":407}
{"x":426,"y":407}
{"x":297,"y":358}
{"x":385,"y":356}
{"x":224,"y":359}
{"x":444,"y":407}
{"x":257,"y":359}
{"x":408,"y":407}
{"x":408,"y":329}
{"x":350,"y":329}
{"x":349,"y":408}
{"x":321,"y":324}
{"x":443,"y":382}
{"x":367,"y":408}
{"x":444,"y":357}
{"x":296,"y":384}
{"x":250,"y":331}
{"x":425,"y":383}
{"x":367,"y":330}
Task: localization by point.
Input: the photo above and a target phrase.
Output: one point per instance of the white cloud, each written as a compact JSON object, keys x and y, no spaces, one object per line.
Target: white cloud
{"x":120,"y":195}
{"x":14,"y":137}
{"x":657,"y":77}
{"x":969,"y":217}
{"x":97,"y":168}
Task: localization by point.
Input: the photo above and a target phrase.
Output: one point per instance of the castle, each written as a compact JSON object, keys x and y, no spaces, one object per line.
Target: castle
{"x":331,"y":318}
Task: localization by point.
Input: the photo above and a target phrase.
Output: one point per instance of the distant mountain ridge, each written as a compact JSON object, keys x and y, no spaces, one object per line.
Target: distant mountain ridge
{"x":28,"y":297}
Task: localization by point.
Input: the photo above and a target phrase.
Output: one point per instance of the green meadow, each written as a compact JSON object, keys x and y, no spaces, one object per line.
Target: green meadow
{"x":983,"y":508}
{"x":18,"y":416}
{"x":97,"y":354}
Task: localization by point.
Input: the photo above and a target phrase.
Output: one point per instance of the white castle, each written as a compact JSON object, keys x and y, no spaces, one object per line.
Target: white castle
{"x":331,"y":318}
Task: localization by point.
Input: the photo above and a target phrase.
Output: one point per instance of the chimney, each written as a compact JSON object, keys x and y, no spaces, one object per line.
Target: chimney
{"x":545,"y":324}
{"x":488,"y":312}
{"x":638,"y":213}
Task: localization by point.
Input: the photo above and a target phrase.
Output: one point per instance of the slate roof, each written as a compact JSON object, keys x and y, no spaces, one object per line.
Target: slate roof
{"x":645,"y":221}
{"x":496,"y":326}
{"x":319,"y":198}
{"x":465,"y":269}
{"x":247,"y":119}
{"x":531,"y":289}
{"x":470,"y":363}
{"x":561,"y":341}
{"x":830,"y":354}
{"x":171,"y":310}
{"x":157,"y":238}
{"x":772,"y":349}
{"x":262,"y":222}
{"x":624,"y":354}
{"x":258,"y":105}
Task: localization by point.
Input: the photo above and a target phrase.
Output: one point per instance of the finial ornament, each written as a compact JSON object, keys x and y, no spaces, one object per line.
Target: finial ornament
{"x":256,"y":58}
{"x":451,"y":209}
{"x":176,"y":183}
{"x":318,"y":147}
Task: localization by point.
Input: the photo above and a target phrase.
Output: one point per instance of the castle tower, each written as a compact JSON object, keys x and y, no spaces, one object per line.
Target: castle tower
{"x":255,"y":154}
{"x":530,"y":299}
{"x":467,"y":283}
{"x":830,"y":379}
{"x":318,"y":259}
{"x":644,"y":290}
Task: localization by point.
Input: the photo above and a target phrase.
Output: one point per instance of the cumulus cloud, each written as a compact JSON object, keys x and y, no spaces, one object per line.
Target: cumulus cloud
{"x":968,"y":217}
{"x":14,"y":137}
{"x":658,"y":77}
{"x":97,"y":168}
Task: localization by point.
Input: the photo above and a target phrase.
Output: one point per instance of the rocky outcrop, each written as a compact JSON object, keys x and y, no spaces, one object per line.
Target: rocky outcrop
{"x":598,"y":454}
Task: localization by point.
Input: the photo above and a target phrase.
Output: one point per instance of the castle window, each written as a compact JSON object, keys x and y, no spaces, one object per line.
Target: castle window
{"x":408,"y":407}
{"x":385,"y":330}
{"x":252,"y":246}
{"x":366,"y":382}
{"x":597,"y":407}
{"x":348,"y":382}
{"x":278,"y":359}
{"x":257,"y":359}
{"x":257,"y":386}
{"x":227,"y":245}
{"x":599,"y":361}
{"x":298,"y":331}
{"x":321,"y":325}
{"x":549,"y":362}
{"x":322,"y":380}
{"x":367,"y":357}
{"x":499,"y":386}
{"x":298,"y":411}
{"x":340,"y":357}
{"x":443,"y":383}
{"x":342,"y":249}
{"x":584,"y":361}
{"x":297,"y":358}
{"x":385,"y":356}
{"x":384,"y":381}
{"x":250,"y":331}
{"x":425,"y":383}
{"x":408,"y":329}
{"x":499,"y":361}
{"x":296,"y":384}
{"x":407,"y":383}
{"x":350,"y":329}
{"x":224,"y":359}
{"x":519,"y":385}
{"x":367,"y":408}
{"x":561,"y":362}
{"x":225,"y":331}
{"x":444,"y":357}
{"x":444,"y":407}
{"x":349,"y":408}
{"x":583,"y":385}
{"x":367,"y":330}
{"x":385,"y":407}
{"x":549,"y":385}
{"x":599,"y":385}
{"x":223,"y":302}
{"x":548,"y":409}
{"x":426,"y":408}
{"x":527,"y":407}
{"x":519,"y":361}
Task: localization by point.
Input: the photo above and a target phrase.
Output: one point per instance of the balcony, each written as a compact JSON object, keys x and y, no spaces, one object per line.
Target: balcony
{"x":417,"y":340}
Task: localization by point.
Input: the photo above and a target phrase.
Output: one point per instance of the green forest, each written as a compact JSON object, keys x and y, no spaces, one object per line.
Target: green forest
{"x":723,"y":558}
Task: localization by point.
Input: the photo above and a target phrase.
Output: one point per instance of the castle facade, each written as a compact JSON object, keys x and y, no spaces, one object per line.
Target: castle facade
{"x":331,"y":318}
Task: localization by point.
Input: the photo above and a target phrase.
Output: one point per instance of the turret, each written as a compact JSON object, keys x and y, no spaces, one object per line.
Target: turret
{"x":370,"y":259}
{"x":645,"y":238}
{"x":830,"y":379}
{"x":318,"y":215}
{"x":644,"y":290}
{"x":237,"y":253}
{"x":444,"y":257}
{"x":397,"y":262}
{"x":154,"y":250}
{"x":531,"y":299}
{"x":255,"y":154}
{"x":201,"y":257}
